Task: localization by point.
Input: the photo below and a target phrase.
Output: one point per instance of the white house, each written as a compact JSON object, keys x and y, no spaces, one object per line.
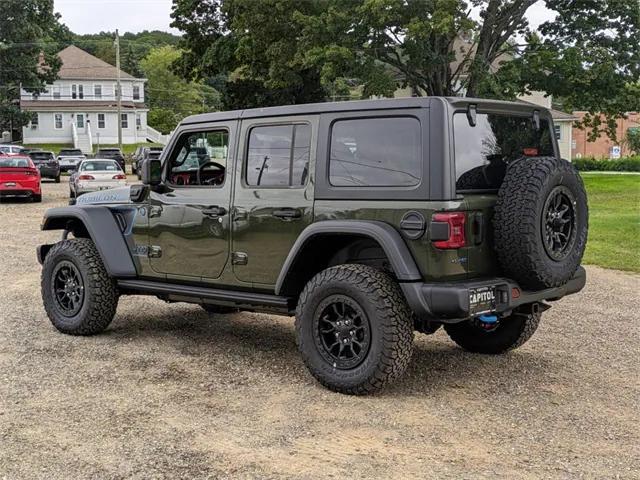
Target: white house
{"x":80,"y":107}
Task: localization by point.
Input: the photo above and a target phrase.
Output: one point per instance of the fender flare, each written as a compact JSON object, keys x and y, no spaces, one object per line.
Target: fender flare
{"x":392,"y":243}
{"x":104,"y":231}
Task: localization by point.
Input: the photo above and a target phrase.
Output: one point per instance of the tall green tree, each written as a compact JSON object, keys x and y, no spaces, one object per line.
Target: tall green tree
{"x":286,"y":51}
{"x":170,"y":97}
{"x":26,"y":57}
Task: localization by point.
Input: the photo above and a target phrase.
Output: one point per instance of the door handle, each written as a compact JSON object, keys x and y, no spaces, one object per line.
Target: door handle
{"x":214,"y":212}
{"x":287,"y":213}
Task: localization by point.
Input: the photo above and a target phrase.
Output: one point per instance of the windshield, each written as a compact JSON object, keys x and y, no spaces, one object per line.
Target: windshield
{"x":14,"y":162}
{"x":70,"y":152}
{"x":483,"y":152}
{"x":100,"y":165}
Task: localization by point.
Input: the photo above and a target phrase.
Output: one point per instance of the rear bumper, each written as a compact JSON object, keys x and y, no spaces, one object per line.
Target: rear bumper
{"x":49,"y":171}
{"x":449,"y":302}
{"x":18,"y":193}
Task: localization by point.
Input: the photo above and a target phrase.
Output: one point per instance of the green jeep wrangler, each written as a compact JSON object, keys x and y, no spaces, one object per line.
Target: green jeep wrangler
{"x":365,"y":220}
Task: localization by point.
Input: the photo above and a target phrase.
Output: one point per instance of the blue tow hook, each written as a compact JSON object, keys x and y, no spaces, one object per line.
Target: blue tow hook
{"x":488,"y":318}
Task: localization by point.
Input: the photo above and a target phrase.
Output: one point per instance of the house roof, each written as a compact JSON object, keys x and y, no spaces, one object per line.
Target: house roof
{"x":562,"y":116}
{"x":78,"y":64}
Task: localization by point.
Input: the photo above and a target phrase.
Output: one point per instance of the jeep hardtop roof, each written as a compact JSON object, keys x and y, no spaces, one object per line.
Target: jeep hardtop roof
{"x":453,"y":103}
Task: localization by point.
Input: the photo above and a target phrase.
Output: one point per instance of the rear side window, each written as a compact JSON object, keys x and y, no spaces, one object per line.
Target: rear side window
{"x":483,"y":152}
{"x":278,"y":156}
{"x":376,"y":152}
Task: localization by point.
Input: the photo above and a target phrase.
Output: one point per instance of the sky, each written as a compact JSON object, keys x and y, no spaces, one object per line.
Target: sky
{"x":93,"y":16}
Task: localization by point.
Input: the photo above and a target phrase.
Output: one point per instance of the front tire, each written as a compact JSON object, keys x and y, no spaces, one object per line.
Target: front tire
{"x":79,"y":296}
{"x":510,"y":333}
{"x":354,"y":329}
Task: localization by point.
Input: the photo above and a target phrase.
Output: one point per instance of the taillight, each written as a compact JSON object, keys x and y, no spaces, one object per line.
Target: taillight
{"x":120,"y":177}
{"x":86,"y":177}
{"x":31,"y":173}
{"x":455,"y":221}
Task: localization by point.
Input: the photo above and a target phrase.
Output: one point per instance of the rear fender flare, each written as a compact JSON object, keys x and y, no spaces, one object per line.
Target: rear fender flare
{"x":389,"y":239}
{"x":103,"y":230}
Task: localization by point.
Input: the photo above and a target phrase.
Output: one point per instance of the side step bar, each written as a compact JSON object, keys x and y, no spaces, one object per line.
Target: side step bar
{"x":230,"y":298}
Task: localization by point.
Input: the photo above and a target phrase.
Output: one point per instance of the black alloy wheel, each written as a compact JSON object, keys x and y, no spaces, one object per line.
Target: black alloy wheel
{"x":558,"y":223}
{"x":343,"y":332}
{"x":68,"y":288}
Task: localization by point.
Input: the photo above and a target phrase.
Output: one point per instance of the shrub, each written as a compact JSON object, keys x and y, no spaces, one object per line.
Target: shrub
{"x":625,"y":164}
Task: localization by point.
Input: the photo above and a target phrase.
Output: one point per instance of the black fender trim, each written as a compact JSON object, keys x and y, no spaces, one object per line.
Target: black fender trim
{"x":402,"y":262}
{"x":104,"y":231}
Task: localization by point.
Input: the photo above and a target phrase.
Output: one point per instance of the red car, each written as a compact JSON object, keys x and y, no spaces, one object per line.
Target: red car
{"x":19,"y":178}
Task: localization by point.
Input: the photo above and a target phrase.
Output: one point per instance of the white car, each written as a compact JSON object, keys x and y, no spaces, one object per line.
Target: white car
{"x":10,"y":149}
{"x":96,"y":174}
{"x":70,"y":158}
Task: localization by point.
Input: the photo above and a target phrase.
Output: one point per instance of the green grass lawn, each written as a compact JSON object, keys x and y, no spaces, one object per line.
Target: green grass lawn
{"x":614,"y":221}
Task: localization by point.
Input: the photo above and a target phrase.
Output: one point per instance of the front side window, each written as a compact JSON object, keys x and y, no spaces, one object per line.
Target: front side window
{"x":376,"y":152}
{"x":483,"y":152}
{"x":278,"y":156}
{"x":57,"y":120}
{"x":124,"y":120}
{"x":200,"y":159}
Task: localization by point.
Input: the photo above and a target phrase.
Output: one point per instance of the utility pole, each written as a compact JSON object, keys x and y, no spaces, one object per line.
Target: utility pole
{"x":119,"y":89}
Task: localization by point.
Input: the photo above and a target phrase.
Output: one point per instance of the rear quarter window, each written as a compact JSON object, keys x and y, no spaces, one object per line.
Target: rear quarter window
{"x":375,"y":152}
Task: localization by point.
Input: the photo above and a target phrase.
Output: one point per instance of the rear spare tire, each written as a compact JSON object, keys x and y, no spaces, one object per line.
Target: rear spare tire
{"x":541,"y":222}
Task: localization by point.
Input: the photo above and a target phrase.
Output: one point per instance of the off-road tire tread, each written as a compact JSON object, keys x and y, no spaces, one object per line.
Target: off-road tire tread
{"x":103,"y":296}
{"x":518,"y":248}
{"x":497,"y":342}
{"x":394,"y":316}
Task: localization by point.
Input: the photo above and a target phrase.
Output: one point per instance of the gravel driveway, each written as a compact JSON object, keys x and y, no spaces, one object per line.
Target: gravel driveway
{"x":168,"y":392}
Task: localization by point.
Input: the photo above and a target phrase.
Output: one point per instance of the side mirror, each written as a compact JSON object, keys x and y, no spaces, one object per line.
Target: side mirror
{"x":151,"y":172}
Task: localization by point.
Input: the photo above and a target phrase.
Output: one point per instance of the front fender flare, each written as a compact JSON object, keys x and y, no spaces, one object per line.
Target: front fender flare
{"x":395,"y":248}
{"x":104,"y":231}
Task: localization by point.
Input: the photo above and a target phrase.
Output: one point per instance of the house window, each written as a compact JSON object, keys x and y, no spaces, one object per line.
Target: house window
{"x":136,"y":92}
{"x":34,"y":121}
{"x":558,"y":132}
{"x":80,"y":91}
{"x":138,"y":121}
{"x":115,"y":90}
{"x":56,"y":92}
{"x":57,"y":121}
{"x":35,"y":95}
{"x":278,"y":156}
{"x":77,"y":91}
{"x":97,"y":91}
{"x":124,"y":120}
{"x":101,"y":120}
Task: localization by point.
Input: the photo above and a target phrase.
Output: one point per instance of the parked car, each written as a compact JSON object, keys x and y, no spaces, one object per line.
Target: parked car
{"x":365,"y":220}
{"x":70,"y":158}
{"x":112,"y":153}
{"x":139,"y":155}
{"x":27,"y":151}
{"x":19,"y":178}
{"x":96,"y":174}
{"x":47,"y":164}
{"x":10,"y":149}
{"x":148,"y":155}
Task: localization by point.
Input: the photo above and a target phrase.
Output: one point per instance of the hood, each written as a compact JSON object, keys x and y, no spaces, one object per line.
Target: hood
{"x":114,"y":195}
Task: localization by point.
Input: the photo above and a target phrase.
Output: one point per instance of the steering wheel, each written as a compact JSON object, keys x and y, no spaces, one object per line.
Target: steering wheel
{"x":219,"y":166}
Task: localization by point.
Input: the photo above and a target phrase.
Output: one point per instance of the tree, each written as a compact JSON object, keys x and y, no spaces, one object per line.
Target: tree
{"x":26,"y":26}
{"x":290,"y":52}
{"x":170,"y":97}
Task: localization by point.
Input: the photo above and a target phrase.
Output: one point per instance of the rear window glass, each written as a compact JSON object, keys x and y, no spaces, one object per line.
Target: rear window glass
{"x":41,"y":155}
{"x":14,"y":162}
{"x":70,"y":152}
{"x":376,"y":152}
{"x":483,"y":152}
{"x":100,"y":166}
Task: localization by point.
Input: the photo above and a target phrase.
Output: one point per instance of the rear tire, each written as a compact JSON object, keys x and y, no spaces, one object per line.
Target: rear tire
{"x":354,"y":329}
{"x":57,"y":179}
{"x":512,"y":332}
{"x":79,"y":296}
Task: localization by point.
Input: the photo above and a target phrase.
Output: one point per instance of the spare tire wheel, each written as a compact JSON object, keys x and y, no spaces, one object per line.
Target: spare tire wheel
{"x":541,"y":222}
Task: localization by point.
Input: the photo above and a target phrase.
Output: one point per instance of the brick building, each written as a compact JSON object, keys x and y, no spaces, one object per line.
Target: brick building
{"x":603,"y":146}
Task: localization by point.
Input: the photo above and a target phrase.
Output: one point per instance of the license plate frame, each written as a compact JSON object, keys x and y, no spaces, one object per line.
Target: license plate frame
{"x":482,"y":299}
